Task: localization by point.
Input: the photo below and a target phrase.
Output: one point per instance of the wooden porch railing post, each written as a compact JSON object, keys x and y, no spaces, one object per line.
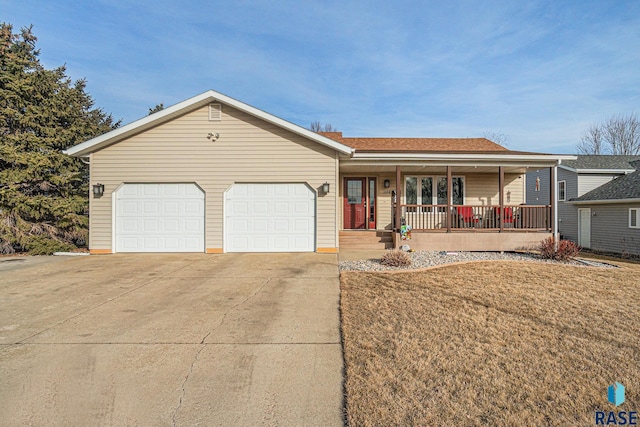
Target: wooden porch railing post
{"x":501,"y":197}
{"x":398,"y":198}
{"x":449,"y":198}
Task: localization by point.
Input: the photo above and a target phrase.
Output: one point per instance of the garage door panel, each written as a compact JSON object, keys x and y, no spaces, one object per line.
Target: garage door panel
{"x":189,"y":190}
{"x":193,"y":226}
{"x":281,"y":208}
{"x":150,"y":208}
{"x":171,"y":208}
{"x":150,"y":225}
{"x":264,"y":218}
{"x":280,"y":226}
{"x":159,"y":218}
{"x":150,"y":190}
{"x":302,"y":226}
{"x":302,"y":209}
{"x":128,"y":191}
{"x":171,"y":225}
{"x":191,"y":208}
{"x":128,"y":207}
{"x":261,"y":208}
{"x":173,"y":190}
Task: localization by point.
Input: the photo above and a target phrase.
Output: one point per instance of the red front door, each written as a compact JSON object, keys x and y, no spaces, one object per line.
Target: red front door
{"x":355,"y":203}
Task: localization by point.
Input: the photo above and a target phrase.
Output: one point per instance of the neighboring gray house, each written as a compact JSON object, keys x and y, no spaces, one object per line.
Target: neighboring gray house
{"x":575,"y":179}
{"x":609,"y":216}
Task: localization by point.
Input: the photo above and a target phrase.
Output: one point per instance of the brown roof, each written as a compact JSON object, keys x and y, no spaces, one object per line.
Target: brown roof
{"x":469,"y":145}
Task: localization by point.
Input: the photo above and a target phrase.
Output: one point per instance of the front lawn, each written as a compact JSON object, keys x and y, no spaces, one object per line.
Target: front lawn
{"x":490,"y":343}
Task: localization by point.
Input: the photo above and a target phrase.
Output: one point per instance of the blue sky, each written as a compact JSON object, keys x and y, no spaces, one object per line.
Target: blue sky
{"x":539,"y":72}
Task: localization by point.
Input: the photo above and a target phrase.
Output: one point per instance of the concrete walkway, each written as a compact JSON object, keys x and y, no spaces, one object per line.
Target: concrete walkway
{"x":234,"y":339}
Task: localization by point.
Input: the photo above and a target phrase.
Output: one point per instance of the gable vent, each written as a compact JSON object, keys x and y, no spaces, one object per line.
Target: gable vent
{"x":215,"y":112}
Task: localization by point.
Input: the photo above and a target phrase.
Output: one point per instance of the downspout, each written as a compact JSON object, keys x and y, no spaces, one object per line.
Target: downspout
{"x":554,"y":192}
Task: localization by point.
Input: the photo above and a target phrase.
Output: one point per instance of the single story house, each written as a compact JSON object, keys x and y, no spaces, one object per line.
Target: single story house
{"x":213,"y":174}
{"x":609,"y":216}
{"x":576,"y":178}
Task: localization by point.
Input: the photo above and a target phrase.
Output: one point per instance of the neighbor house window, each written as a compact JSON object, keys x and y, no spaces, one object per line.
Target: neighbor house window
{"x":562,"y":191}
{"x":634,"y":218}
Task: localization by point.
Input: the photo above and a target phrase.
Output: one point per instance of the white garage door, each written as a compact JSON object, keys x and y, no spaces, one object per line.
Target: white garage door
{"x":270,"y":218}
{"x":159,"y":218}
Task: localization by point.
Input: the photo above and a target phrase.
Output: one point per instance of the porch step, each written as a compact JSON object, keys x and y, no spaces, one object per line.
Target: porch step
{"x":366,"y":239}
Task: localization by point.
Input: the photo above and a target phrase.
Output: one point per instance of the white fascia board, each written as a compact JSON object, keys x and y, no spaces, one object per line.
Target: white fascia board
{"x":201,"y":100}
{"x":594,"y":171}
{"x":607,"y":171}
{"x":461,"y":156}
{"x":604,"y":201}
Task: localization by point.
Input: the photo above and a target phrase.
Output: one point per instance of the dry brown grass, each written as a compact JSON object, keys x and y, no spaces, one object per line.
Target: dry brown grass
{"x":490,"y":343}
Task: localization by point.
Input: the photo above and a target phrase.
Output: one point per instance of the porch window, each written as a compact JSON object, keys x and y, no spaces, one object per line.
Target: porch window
{"x":429,"y":190}
{"x":562,"y":193}
{"x":634,"y":217}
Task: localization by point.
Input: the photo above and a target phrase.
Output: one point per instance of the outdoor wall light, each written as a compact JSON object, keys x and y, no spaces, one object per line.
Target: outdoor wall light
{"x":387,"y":183}
{"x":325,"y":188}
{"x":98,"y":190}
{"x":213,"y":136}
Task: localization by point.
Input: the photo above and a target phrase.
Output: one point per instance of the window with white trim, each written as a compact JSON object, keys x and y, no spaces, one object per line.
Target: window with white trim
{"x":562,"y":191}
{"x":634,"y":217}
{"x":430,"y":190}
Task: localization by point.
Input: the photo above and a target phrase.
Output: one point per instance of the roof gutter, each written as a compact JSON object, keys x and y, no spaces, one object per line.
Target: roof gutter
{"x":604,"y":201}
{"x":603,"y":171}
{"x":461,"y":156}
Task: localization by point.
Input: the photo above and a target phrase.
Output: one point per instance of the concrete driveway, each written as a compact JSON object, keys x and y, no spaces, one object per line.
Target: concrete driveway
{"x":168,"y":339}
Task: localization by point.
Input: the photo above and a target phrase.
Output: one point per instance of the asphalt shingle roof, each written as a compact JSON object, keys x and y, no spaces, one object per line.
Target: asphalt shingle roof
{"x":624,"y":187}
{"x":439,"y":145}
{"x":602,"y":161}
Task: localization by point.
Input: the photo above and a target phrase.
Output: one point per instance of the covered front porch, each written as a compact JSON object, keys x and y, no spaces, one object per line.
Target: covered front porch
{"x":461,"y":206}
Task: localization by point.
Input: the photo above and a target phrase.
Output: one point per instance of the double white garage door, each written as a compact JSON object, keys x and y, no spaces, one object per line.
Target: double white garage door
{"x":159,"y":218}
{"x":269,"y":218}
{"x":257,"y":218}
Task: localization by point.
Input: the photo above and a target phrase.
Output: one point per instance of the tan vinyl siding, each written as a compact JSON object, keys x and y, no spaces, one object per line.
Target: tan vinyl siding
{"x":248,"y":150}
{"x":385,"y":204}
{"x":610,"y":230}
{"x":484,"y":189}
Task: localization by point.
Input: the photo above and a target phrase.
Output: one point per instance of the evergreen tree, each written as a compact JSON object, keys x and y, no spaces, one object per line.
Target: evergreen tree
{"x":43,"y":192}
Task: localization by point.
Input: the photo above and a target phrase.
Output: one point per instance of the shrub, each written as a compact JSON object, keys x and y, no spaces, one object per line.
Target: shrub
{"x":395,"y":258}
{"x":563,"y":251}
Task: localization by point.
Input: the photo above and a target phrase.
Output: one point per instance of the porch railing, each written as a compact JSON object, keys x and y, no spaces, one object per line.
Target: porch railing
{"x":509,"y":218}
